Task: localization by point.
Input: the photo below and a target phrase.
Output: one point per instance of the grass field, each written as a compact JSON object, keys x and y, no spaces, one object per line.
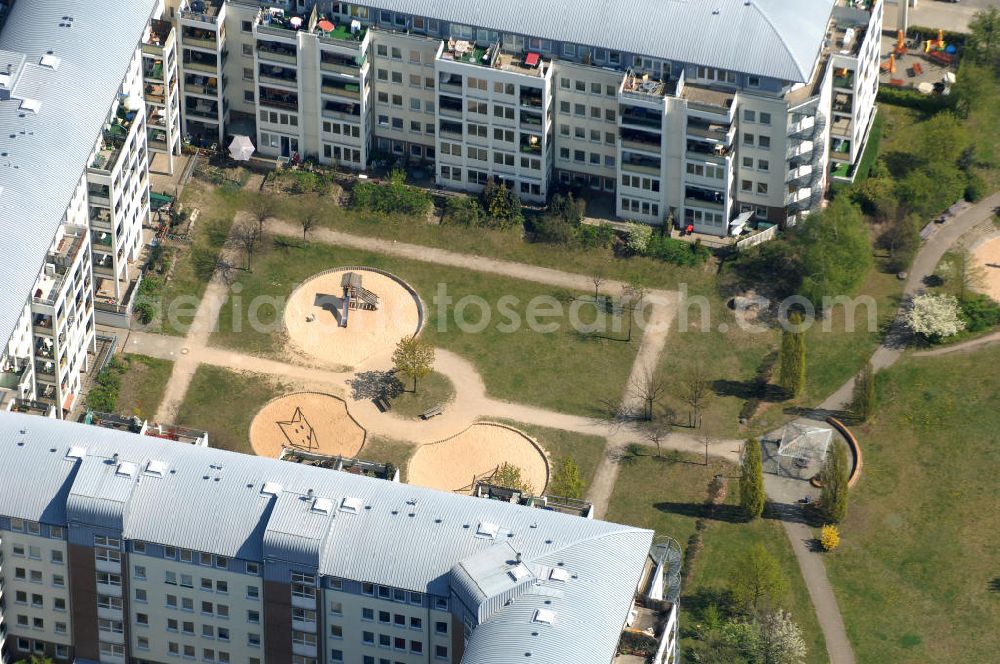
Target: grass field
{"x":564,"y":370}
{"x":666,"y":494}
{"x":194,"y":266}
{"x":586,"y":451}
{"x":433,"y":390}
{"x":384,"y":450}
{"x":143,"y":385}
{"x":223,"y":403}
{"x":918,"y":573}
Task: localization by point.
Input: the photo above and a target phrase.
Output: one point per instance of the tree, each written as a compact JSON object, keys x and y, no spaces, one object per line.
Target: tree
{"x":756,"y":581}
{"x":637,"y":237}
{"x":932,"y":188}
{"x":633,"y":293}
{"x":501,"y":204}
{"x":943,"y":139}
{"x":834,"y":251}
{"x":649,"y":387}
{"x":246,"y":235}
{"x":752,"y":480}
{"x":657,"y":431}
{"x":509,"y":476}
{"x":971,"y":88}
{"x":901,"y":239}
{"x":262,"y":207}
{"x":559,"y":223}
{"x":597,"y":278}
{"x":863,"y":400}
{"x":309,"y":219}
{"x":413,"y":358}
{"x":933,"y":317}
{"x":566,"y":482}
{"x":984,"y":39}
{"x":834,"y":476}
{"x":695,"y":391}
{"x":968,"y":274}
{"x":780,"y":639}
{"x":792,"y":357}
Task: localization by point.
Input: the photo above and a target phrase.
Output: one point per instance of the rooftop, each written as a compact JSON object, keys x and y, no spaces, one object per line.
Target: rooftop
{"x":366,"y":529}
{"x":774,"y":38}
{"x":78,"y":89}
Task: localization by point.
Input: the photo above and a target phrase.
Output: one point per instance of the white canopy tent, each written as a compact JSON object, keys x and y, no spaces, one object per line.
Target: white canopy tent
{"x":241,"y":148}
{"x":806,"y":442}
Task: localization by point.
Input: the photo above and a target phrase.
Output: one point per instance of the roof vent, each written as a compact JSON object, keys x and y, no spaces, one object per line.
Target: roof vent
{"x":30,"y":105}
{"x":156,"y":468}
{"x":518,"y":572}
{"x":310,"y":493}
{"x":75,"y":453}
{"x":350,"y":505}
{"x":487,"y":529}
{"x":322,"y":505}
{"x":50,"y":61}
{"x":126,"y":469}
{"x":544,"y":616}
{"x":559,"y":575}
{"x":270,"y":489}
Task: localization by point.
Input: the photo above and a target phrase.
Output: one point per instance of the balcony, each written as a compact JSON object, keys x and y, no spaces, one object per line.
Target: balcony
{"x":641,"y":117}
{"x":341,"y":111}
{"x":333,"y":63}
{"x":152,"y":70}
{"x":201,"y":85}
{"x":704,"y":198}
{"x":200,"y":38}
{"x":450,"y":83}
{"x":352,"y":34}
{"x":843,"y":79}
{"x":341,"y":89}
{"x":42,"y":324}
{"x":640,"y":140}
{"x":276,"y":52}
{"x":201,"y":109}
{"x":161,"y":36}
{"x":710,"y":131}
{"x":530,"y":144}
{"x":639,"y":164}
{"x":202,"y":11}
{"x":644,"y":88}
{"x":278,"y":99}
{"x":194,"y":61}
{"x":278,"y":75}
{"x":712,"y":101}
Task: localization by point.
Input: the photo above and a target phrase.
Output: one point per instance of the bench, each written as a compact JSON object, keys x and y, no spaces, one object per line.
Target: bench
{"x":917,"y":69}
{"x":431,"y":412}
{"x":382,"y":404}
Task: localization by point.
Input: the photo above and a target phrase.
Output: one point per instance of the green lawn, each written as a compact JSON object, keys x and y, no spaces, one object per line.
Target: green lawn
{"x":195,"y":263}
{"x":433,"y":390}
{"x":143,"y":385}
{"x":384,"y":450}
{"x":666,"y":495}
{"x":918,"y":573}
{"x":586,"y":451}
{"x":224,"y":402}
{"x":563,"y":370}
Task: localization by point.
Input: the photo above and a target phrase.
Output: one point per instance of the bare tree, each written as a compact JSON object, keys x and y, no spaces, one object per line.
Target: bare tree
{"x":597,"y":278}
{"x":633,"y":294}
{"x":262,"y":207}
{"x":309,"y":220}
{"x":658,"y":430}
{"x":694,"y":391}
{"x":706,"y":440}
{"x":649,"y":387}
{"x":246,"y":236}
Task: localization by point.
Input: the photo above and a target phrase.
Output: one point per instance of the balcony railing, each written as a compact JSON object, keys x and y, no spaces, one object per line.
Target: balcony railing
{"x":207,"y":66}
{"x":276,"y":55}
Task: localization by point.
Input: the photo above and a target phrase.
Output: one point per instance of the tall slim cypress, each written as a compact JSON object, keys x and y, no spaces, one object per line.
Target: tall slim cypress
{"x":792,"y":373}
{"x":752,"y":480}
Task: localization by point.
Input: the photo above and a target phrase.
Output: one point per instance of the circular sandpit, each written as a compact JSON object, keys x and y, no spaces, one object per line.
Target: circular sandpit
{"x":454,"y":464}
{"x":987,"y":256}
{"x":306,"y":421}
{"x":315,"y":309}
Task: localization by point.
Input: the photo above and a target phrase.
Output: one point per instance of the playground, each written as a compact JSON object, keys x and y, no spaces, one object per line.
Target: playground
{"x":308,"y":422}
{"x":346,"y":316}
{"x":987,"y":256}
{"x":456,"y":463}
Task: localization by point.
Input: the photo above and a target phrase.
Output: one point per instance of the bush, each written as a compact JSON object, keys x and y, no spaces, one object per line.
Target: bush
{"x":601,"y":236}
{"x":676,"y":252}
{"x":829,"y":537}
{"x":975,"y":188}
{"x":934,"y":317}
{"x":103,"y":395}
{"x":979,"y":313}
{"x":463,"y":211}
{"x":910,"y":98}
{"x":303,"y":182}
{"x":637,"y":237}
{"x":145,"y":312}
{"x":395,"y":196}
{"x":501,"y":205}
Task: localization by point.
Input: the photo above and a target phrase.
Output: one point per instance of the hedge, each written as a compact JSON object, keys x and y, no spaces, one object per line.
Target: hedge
{"x":911,"y":98}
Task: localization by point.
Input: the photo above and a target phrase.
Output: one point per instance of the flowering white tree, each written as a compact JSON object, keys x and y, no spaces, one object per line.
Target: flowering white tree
{"x":637,"y":237}
{"x":934,"y":316}
{"x":780,"y":639}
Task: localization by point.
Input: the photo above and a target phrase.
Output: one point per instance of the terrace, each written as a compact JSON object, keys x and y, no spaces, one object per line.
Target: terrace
{"x":159,"y":36}
{"x":138,"y":425}
{"x":31,"y":407}
{"x":527,"y":64}
{"x":204,"y":11}
{"x":382,"y":471}
{"x":113,"y":139}
{"x":570,"y":506}
{"x":644,"y":87}
{"x":709,"y":100}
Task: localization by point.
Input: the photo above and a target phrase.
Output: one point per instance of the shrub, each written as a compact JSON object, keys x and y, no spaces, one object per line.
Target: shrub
{"x":103,"y":395}
{"x":501,"y":205}
{"x":752,"y":496}
{"x":303,"y":182}
{"x":463,"y":211}
{"x":910,"y":98}
{"x":975,"y":188}
{"x":934,"y":317}
{"x":834,"y":476}
{"x":637,"y":237}
{"x":145,"y":311}
{"x":676,"y":252}
{"x":979,"y":313}
{"x":394,"y":196}
{"x":601,"y":236}
{"x":829,"y":537}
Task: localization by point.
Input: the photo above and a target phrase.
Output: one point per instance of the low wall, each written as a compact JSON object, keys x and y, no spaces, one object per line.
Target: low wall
{"x":852,"y":443}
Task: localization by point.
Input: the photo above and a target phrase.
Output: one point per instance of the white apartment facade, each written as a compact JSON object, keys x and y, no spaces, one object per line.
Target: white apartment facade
{"x":122,"y":549}
{"x":704,"y":132}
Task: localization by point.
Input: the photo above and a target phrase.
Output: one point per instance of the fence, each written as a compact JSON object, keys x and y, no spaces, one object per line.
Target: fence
{"x":757,"y":238}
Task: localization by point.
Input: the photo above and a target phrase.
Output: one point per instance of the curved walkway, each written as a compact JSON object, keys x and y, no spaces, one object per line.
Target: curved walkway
{"x":965,"y":346}
{"x":838,"y":646}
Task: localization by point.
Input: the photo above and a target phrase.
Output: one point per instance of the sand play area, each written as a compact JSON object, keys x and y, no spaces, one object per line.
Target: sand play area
{"x":316,"y":308}
{"x":307,"y":421}
{"x":454,"y":463}
{"x":987,"y":255}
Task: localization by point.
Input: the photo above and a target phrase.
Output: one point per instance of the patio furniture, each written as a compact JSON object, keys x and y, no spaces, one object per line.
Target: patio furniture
{"x":431,"y":412}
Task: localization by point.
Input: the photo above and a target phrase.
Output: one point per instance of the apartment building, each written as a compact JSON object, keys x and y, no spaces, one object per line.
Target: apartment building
{"x":705,"y":114}
{"x":118,"y":547}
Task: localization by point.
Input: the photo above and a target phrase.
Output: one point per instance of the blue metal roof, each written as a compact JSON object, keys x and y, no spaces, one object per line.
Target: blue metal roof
{"x":402,"y":536}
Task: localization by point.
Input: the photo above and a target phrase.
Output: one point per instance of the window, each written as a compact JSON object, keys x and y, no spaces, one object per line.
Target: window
{"x":248,"y":50}
{"x":171,"y":600}
{"x":57,"y":557}
{"x":253,"y":640}
{"x":58,"y":580}
{"x":17,"y":525}
{"x":747,"y":163}
{"x":139,"y":547}
{"x":765,"y":118}
{"x":59,"y":603}
{"x":207,"y":608}
{"x":746,"y":185}
{"x":441,"y":627}
{"x":140,"y":572}
{"x":187,"y":604}
{"x":36,"y":576}
{"x":368,"y":638}
{"x":187,"y":556}
{"x":169,"y":552}
{"x":749,"y":116}
{"x":367,"y":614}
{"x":441,"y":652}
{"x":222,"y":587}
{"x":416,"y":623}
{"x":764,"y":142}
{"x":34,"y":552}
{"x":762,"y":188}
{"x":253,"y":569}
{"x":142,"y":619}
{"x":187,"y":581}
{"x":753,"y":81}
{"x":416,"y":598}
{"x":763,"y":165}
{"x":253,"y":617}
{"x":748,"y":139}
{"x":18,"y":550}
